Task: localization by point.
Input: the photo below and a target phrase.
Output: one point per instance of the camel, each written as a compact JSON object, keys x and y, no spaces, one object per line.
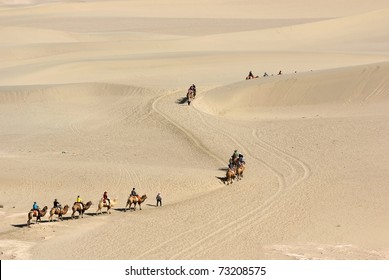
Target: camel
{"x":239,"y":171}
{"x":230,"y":175}
{"x":104,"y":204}
{"x":81,"y":210}
{"x":34,"y":213}
{"x":190,"y":96}
{"x":134,"y":200}
{"x":59,"y":212}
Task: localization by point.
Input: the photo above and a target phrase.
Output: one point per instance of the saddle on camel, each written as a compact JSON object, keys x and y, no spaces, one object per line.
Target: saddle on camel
{"x":59,"y":212}
{"x":133,"y":200}
{"x":38,"y":213}
{"x":106,"y":202}
{"x":80,"y":208}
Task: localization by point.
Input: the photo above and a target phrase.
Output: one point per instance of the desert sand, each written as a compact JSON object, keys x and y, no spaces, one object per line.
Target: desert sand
{"x":92,"y":99}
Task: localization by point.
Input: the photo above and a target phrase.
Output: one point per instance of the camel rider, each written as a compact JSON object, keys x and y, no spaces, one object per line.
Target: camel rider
{"x":241,"y":160}
{"x":133,"y":192}
{"x":35,"y":207}
{"x":57,"y":204}
{"x":231,"y":166}
{"x":79,"y":200}
{"x":193,"y":88}
{"x":235,"y":155}
{"x":106,"y":198}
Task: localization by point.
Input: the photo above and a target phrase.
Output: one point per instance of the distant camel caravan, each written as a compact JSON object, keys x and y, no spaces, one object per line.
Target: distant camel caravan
{"x":77,"y":207}
{"x":135,"y":200}
{"x":103,"y":204}
{"x":59,"y":212}
{"x":34,"y":213}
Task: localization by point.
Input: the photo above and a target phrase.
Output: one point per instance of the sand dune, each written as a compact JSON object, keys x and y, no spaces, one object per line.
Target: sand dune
{"x":92,"y":99}
{"x":353,"y":85}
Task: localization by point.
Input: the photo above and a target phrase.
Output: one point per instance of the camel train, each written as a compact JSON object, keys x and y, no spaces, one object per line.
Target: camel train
{"x":80,"y":208}
{"x":235,"y":171}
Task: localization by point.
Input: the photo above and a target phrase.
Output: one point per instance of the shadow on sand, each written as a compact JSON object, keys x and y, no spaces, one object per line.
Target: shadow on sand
{"x":182,"y":100}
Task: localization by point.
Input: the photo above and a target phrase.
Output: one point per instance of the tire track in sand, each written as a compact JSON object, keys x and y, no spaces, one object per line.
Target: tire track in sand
{"x":262,"y":211}
{"x":295,"y":164}
{"x":250,"y":216}
{"x":263,"y":207}
{"x":188,"y":134}
{"x":199,"y":144}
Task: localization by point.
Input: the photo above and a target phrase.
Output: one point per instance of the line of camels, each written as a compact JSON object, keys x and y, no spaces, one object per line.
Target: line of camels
{"x":131,"y":203}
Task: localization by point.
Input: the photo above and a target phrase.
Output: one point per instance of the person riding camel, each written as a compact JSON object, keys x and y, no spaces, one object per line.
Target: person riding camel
{"x":241,"y":160}
{"x":106,"y":199}
{"x":193,"y":88}
{"x":231,"y":166}
{"x":234,"y":156}
{"x":35,"y":207}
{"x":57,"y":205}
{"x":79,"y":200}
{"x":133,"y":192}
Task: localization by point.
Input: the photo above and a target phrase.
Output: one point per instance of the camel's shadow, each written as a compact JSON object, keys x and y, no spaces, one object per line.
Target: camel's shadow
{"x":182,"y":100}
{"x":222,"y":179}
{"x":32,"y":223}
{"x":124,"y":209}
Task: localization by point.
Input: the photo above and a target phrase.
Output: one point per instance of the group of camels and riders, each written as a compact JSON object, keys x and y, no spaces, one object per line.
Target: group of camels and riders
{"x":80,"y":208}
{"x":235,"y":170}
{"x":251,"y":76}
{"x":236,"y":167}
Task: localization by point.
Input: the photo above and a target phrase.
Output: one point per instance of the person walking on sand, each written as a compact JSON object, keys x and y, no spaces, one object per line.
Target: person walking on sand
{"x":159,"y":199}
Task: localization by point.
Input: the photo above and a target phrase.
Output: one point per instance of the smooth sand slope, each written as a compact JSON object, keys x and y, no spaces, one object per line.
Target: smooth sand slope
{"x":92,"y":100}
